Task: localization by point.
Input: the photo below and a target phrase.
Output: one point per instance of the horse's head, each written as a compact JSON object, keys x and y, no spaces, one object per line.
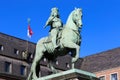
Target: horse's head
{"x":77,"y":17}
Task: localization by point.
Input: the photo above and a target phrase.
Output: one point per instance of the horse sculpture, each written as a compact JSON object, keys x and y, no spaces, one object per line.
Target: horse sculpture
{"x":69,"y":40}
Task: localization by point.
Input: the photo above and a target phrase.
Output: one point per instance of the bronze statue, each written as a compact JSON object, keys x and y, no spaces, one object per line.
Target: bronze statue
{"x":70,"y":40}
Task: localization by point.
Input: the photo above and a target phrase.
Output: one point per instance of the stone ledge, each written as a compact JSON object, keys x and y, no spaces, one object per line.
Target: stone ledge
{"x":70,"y":75}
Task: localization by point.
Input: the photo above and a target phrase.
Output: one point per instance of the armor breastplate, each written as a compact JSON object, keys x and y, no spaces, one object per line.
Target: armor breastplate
{"x":56,"y":22}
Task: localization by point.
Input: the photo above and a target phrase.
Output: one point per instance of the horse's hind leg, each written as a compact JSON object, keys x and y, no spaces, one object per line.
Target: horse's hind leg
{"x":50,"y":65}
{"x":37,"y":58}
{"x":29,"y":76}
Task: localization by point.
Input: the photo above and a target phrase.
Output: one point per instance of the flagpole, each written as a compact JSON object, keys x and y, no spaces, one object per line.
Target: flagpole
{"x":28,"y":20}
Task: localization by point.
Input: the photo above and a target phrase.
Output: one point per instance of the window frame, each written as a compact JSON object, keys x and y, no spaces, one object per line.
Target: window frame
{"x":23,"y":70}
{"x":1,"y":47}
{"x":67,"y":65}
{"x":114,"y":73}
{"x":8,"y":67}
{"x":16,"y":51}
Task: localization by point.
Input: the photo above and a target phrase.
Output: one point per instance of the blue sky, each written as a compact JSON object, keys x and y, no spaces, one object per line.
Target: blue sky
{"x":101,"y":21}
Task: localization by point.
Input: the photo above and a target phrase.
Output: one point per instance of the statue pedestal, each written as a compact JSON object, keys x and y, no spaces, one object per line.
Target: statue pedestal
{"x":72,"y":74}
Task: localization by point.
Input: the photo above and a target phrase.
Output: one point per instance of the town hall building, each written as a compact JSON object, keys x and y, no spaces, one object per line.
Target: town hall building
{"x":14,"y":65}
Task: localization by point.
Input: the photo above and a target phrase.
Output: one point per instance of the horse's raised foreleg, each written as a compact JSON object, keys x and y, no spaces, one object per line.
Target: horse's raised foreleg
{"x":76,"y":53}
{"x":76,"y":57}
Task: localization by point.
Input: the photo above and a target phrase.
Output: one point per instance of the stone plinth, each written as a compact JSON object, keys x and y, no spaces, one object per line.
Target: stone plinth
{"x":73,"y":74}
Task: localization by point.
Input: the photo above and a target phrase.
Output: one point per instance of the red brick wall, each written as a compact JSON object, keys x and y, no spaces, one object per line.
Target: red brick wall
{"x":107,"y":73}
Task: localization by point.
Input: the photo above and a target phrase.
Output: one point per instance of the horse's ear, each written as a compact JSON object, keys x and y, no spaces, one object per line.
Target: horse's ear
{"x":75,"y":8}
{"x":80,"y":9}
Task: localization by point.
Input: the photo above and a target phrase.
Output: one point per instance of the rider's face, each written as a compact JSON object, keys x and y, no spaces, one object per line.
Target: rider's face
{"x":54,"y":12}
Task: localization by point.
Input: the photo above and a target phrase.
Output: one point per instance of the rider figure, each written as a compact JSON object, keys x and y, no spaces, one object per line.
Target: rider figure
{"x":56,"y":24}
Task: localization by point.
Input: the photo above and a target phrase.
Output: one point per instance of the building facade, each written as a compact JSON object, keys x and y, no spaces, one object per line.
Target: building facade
{"x":106,"y":65}
{"x":14,"y":65}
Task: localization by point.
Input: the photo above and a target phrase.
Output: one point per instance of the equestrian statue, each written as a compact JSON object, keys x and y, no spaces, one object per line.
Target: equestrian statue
{"x":62,"y":39}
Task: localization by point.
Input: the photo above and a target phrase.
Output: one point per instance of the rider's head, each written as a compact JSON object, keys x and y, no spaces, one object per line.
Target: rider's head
{"x":55,"y":12}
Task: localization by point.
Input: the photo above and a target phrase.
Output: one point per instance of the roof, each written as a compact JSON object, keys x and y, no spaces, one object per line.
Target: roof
{"x":10,"y":43}
{"x":102,"y":61}
{"x":94,"y":63}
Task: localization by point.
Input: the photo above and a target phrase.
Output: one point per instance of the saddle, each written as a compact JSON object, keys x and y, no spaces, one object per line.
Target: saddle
{"x":48,"y":42}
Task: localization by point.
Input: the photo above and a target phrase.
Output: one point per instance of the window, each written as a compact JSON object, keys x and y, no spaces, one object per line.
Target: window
{"x":114,"y":76}
{"x":44,"y":59}
{"x":67,"y":65}
{"x":8,"y":67}
{"x":1,"y":48}
{"x":102,"y":78}
{"x":56,"y":62}
{"x":16,"y":51}
{"x":23,"y":70}
{"x":31,"y":56}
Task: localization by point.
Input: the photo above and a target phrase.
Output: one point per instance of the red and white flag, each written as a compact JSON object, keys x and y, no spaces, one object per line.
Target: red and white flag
{"x":30,"y":32}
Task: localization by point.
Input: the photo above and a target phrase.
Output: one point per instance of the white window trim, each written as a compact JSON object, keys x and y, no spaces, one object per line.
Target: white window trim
{"x":57,"y":62}
{"x":16,"y":51}
{"x":2,"y":47}
{"x":114,"y":73}
{"x":10,"y":67}
{"x":67,"y":65}
{"x":25,"y":70}
{"x":44,"y":59}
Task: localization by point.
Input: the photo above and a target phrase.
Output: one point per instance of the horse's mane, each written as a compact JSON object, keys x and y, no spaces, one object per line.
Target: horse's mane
{"x":69,"y":18}
{"x":69,"y":23}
